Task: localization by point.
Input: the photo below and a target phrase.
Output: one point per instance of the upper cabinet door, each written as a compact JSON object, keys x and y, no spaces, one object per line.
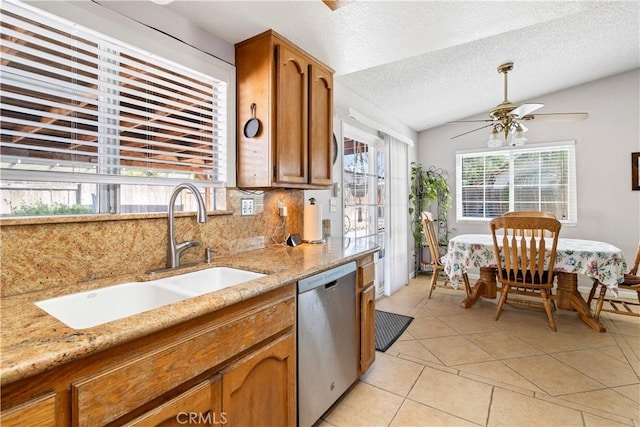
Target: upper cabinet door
{"x":293,"y":93}
{"x":320,"y":125}
{"x":292,"y":116}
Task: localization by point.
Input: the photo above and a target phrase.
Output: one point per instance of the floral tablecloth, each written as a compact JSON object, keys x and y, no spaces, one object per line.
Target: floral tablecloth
{"x":597,"y":260}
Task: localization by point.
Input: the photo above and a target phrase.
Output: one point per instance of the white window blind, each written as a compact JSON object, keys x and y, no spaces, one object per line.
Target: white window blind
{"x":535,"y":178}
{"x":81,"y":103}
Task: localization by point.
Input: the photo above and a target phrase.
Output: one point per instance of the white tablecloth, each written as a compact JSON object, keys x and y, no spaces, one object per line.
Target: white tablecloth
{"x":597,"y":260}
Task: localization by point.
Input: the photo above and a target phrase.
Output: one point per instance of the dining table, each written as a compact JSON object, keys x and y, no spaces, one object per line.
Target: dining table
{"x":596,"y":260}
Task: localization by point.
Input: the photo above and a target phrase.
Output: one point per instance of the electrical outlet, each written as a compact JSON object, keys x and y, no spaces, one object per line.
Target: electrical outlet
{"x":280,"y":203}
{"x":246,"y":207}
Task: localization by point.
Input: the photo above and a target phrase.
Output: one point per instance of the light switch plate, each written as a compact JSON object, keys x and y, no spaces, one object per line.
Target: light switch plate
{"x":333,"y":204}
{"x":246,"y":207}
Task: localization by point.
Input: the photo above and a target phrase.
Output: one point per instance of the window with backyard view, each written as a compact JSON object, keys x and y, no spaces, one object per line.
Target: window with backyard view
{"x":91,"y":124}
{"x":540,"y":177}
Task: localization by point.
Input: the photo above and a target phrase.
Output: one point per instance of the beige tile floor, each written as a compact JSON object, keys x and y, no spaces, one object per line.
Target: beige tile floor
{"x":457,"y":367}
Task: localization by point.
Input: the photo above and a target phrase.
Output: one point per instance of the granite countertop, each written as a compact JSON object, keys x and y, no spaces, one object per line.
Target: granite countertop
{"x":32,"y":341}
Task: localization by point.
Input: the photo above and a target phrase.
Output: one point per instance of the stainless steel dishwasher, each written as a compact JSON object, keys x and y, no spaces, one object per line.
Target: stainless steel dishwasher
{"x":327,"y":348}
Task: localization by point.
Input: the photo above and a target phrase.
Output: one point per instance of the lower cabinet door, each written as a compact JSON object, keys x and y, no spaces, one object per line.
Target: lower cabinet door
{"x":37,"y":412}
{"x":260,"y":389}
{"x":367,"y":328}
{"x":200,"y":405}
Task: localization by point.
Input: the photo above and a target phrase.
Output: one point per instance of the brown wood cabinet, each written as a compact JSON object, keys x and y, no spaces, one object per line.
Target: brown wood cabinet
{"x":213,"y":368}
{"x":365,"y":307}
{"x":293,"y":97}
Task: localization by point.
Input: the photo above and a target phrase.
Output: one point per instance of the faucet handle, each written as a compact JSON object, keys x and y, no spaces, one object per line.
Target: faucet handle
{"x":186,"y":245}
{"x":208,"y":255}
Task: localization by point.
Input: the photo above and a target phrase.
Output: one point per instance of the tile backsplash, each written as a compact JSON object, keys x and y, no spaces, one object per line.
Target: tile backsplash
{"x":36,"y":255}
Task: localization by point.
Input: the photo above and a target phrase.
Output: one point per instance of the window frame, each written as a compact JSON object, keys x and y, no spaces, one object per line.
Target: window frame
{"x":572,"y":202}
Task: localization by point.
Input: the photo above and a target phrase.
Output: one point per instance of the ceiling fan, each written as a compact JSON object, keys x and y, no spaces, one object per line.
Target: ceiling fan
{"x":508,"y":118}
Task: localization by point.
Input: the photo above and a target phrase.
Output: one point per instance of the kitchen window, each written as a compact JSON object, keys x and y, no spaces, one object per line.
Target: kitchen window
{"x":91,"y":124}
{"x":540,"y":177}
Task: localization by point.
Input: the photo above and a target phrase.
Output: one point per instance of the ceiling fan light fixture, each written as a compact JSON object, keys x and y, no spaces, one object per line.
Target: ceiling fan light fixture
{"x":494,"y":141}
{"x":518,"y":137}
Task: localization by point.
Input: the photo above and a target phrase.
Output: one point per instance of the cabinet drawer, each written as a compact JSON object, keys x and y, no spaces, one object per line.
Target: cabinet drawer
{"x":199,"y":405}
{"x":366,"y":274}
{"x":365,"y":260}
{"x":110,"y":394}
{"x":37,"y":412}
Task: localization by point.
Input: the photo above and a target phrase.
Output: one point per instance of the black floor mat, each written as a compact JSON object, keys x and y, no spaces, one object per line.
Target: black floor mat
{"x":389,"y":326}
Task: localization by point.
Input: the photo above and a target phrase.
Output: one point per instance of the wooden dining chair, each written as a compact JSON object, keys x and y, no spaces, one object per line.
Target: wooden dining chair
{"x":525,"y":262}
{"x":429,"y":230}
{"x":631,"y":282}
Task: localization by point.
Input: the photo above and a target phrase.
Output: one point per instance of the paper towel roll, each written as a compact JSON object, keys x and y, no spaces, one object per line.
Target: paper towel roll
{"x":312,"y":229}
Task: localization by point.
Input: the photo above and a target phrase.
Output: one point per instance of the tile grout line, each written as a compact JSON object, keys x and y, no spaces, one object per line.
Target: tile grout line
{"x":585,"y":409}
{"x":493,"y":389}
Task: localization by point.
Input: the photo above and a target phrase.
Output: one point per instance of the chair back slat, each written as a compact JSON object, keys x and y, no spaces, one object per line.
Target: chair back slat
{"x":527,"y":256}
{"x":429,"y":230}
{"x":505,"y":244}
{"x":526,"y":253}
{"x":542,"y":248}
{"x":517,"y":248}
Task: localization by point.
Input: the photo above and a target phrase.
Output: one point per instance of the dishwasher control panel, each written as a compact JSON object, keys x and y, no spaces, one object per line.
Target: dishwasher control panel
{"x":326,"y":277}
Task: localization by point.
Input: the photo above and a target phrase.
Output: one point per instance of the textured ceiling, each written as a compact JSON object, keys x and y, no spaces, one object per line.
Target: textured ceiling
{"x":429,"y":62}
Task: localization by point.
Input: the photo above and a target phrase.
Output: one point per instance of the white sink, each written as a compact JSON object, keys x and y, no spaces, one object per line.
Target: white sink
{"x":204,"y":281}
{"x":91,"y":308}
{"x":86,"y":309}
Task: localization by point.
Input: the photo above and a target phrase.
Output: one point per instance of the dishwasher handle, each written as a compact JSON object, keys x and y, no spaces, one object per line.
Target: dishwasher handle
{"x":331,"y":285}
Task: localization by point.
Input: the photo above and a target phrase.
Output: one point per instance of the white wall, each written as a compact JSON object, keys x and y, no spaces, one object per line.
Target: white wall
{"x":608,"y":210}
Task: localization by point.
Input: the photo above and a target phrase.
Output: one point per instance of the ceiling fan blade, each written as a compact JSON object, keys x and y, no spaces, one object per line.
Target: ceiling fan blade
{"x":469,"y":121}
{"x":525,"y":109}
{"x":556,"y":117}
{"x":336,"y":4}
{"x":486,"y":126}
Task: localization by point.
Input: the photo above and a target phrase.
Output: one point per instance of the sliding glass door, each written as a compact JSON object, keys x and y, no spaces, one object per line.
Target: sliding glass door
{"x":364,"y":194}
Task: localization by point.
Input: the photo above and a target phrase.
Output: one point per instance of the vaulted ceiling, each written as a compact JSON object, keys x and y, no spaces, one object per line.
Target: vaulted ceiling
{"x":429,"y":62}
